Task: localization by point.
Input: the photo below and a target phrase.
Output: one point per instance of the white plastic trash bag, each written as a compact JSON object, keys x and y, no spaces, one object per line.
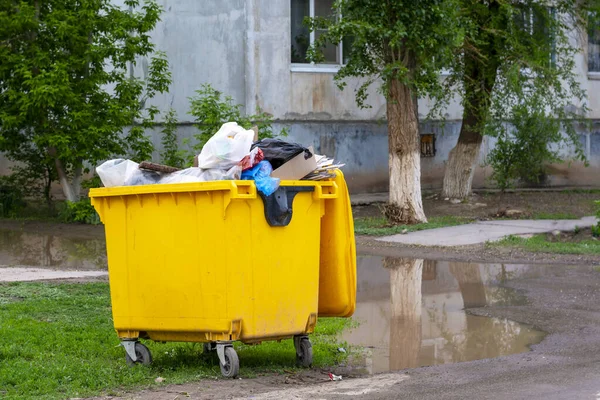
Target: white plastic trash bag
{"x":234,"y":173}
{"x":184,"y":176}
{"x":226,"y":148}
{"x":117,"y":172}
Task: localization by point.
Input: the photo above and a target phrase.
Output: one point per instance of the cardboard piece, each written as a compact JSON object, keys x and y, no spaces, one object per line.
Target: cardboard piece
{"x":255,"y":129}
{"x":297,"y":167}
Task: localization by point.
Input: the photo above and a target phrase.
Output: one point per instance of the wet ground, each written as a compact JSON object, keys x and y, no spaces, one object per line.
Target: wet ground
{"x":27,"y":255}
{"x":411,"y":313}
{"x":452,"y":329}
{"x":562,"y":301}
{"x":47,"y":250}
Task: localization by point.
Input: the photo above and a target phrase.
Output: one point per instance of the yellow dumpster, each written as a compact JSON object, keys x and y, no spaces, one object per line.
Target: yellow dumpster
{"x":216,"y":262}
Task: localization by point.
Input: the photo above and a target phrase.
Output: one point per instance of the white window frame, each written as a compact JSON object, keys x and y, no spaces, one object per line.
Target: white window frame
{"x":592,"y":75}
{"x":313,"y":67}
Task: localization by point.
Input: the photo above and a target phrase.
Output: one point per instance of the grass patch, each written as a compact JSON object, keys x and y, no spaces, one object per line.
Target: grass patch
{"x":378,"y":226}
{"x":581,"y":191}
{"x":540,"y":244}
{"x":558,"y":215}
{"x":58,"y":341}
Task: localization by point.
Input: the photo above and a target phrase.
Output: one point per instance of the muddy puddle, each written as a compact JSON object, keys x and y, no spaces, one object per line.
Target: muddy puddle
{"x":18,"y":249}
{"x":410,"y":313}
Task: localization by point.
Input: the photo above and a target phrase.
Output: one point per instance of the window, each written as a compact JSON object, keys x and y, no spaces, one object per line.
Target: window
{"x":536,"y":22}
{"x":302,"y":38}
{"x":594,"y":47}
{"x":428,"y":145}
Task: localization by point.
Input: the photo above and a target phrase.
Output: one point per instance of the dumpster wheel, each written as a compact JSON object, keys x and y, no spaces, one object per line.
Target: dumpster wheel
{"x":142,"y":354}
{"x":230,"y":368}
{"x":304,"y":352}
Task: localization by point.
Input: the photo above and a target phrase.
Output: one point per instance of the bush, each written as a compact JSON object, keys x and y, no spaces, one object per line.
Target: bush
{"x":11,"y":196}
{"x":80,"y":211}
{"x":171,"y":155}
{"x":212,"y":110}
{"x":596,"y":228}
{"x":522,"y":153}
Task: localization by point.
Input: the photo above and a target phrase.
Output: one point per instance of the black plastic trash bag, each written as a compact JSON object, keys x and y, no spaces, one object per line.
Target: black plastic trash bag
{"x":278,"y":152}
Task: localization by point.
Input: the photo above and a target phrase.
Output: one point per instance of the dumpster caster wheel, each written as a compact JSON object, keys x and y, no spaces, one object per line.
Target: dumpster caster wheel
{"x":142,"y":354}
{"x":231,"y":367}
{"x":304,"y":352}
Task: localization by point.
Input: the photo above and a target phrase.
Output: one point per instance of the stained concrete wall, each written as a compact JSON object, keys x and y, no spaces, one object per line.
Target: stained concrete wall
{"x":205,"y":42}
{"x":242,"y":48}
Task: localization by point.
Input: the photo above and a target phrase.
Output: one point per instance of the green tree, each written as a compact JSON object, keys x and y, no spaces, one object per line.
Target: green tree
{"x":516,"y":64}
{"x":402,"y":46}
{"x":67,"y":88}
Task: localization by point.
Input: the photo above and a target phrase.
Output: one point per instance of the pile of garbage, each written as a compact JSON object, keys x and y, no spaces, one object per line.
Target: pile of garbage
{"x":233,"y":153}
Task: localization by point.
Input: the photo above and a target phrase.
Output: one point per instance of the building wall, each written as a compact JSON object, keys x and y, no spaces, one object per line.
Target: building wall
{"x":242,"y":48}
{"x":205,"y":42}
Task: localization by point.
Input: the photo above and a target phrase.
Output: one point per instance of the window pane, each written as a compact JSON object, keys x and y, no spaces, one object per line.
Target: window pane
{"x":300,"y":33}
{"x":330,"y":52}
{"x":535,"y":25}
{"x":594,"y":47}
{"x":346,"y":48}
{"x":324,"y":8}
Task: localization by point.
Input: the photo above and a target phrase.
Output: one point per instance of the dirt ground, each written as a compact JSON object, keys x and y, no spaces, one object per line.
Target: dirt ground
{"x":476,"y":253}
{"x":488,"y":204}
{"x":565,"y":303}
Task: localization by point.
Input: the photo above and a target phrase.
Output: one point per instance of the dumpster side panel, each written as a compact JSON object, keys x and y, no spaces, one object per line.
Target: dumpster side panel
{"x":204,"y":265}
{"x":285,"y":269}
{"x":168,"y":277}
{"x":337,"y":280}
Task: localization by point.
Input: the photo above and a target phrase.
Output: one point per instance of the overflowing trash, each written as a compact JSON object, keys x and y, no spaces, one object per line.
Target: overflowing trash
{"x":278,"y":152}
{"x":261,"y":175}
{"x":232,"y":153}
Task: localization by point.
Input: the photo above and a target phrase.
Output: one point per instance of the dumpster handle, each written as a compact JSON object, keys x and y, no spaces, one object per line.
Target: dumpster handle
{"x":279,"y":205}
{"x":331,"y":191}
{"x":243,"y":190}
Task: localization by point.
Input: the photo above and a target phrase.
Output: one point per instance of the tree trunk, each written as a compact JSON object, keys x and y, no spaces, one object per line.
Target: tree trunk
{"x":77,"y":176}
{"x":64,"y":182}
{"x":68,"y":190}
{"x":481,"y":69}
{"x":462,"y":161}
{"x":405,"y":325}
{"x":406,"y":206}
{"x":47,"y":189}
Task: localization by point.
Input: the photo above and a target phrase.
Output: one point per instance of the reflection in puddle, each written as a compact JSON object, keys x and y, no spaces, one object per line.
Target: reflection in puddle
{"x":29,"y":249}
{"x":411,"y":313}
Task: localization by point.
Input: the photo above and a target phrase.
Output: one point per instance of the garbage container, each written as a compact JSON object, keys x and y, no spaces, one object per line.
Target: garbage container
{"x":216,"y":262}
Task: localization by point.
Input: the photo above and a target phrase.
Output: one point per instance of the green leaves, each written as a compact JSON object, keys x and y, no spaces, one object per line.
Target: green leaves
{"x":66,"y":81}
{"x":212,"y":109}
{"x":171,"y":154}
{"x":393,"y":40}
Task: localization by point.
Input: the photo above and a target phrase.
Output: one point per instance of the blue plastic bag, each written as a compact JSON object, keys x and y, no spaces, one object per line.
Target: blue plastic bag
{"x":261,"y":175}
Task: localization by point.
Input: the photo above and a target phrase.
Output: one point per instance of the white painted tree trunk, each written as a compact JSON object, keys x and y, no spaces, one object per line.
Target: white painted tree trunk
{"x":460,"y":168}
{"x":404,"y":156}
{"x":406,"y":277}
{"x":71,"y":190}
